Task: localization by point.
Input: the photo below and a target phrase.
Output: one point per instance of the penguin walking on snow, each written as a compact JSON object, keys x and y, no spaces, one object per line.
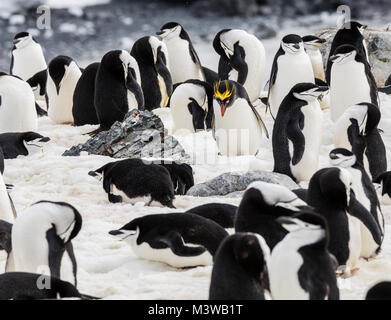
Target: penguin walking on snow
{"x":191,"y":106}
{"x":365,"y":193}
{"x":237,"y":125}
{"x":40,"y":236}
{"x":132,"y":179}
{"x":350,"y":33}
{"x":356,"y":130}
{"x":297,"y":132}
{"x":117,"y":88}
{"x":62,"y":79}
{"x":242,"y":59}
{"x":300,"y":265}
{"x":184,"y":61}
{"x":178,"y":239}
{"x":153,"y":61}
{"x":351,"y":81}
{"x":17,"y":105}
{"x":291,"y":65}
{"x":240,"y":268}
{"x":261,"y":204}
{"x":28,"y":63}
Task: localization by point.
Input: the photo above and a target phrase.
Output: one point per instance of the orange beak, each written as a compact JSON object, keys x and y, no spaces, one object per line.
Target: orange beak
{"x":223,"y":107}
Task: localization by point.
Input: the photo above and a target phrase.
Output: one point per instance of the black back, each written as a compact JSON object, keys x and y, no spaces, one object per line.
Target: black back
{"x":221,"y":213}
{"x":83,"y":109}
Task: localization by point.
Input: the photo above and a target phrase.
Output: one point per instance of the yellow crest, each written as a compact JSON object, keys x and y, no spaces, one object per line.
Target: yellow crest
{"x":223,"y":95}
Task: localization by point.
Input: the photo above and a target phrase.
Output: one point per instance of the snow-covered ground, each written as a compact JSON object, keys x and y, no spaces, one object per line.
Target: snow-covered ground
{"x":108,"y":268}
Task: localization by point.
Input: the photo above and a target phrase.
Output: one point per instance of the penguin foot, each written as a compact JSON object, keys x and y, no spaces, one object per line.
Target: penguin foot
{"x":115,"y":199}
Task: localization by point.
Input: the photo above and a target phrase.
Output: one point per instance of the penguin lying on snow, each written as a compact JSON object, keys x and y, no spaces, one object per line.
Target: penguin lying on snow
{"x":261,"y":204}
{"x":237,"y":125}
{"x":385,"y":181}
{"x":178,"y":239}
{"x":184,"y":61}
{"x":15,"y":144}
{"x":380,"y":291}
{"x":133,"y":178}
{"x":297,"y":132}
{"x":40,"y":236}
{"x":365,"y":193}
{"x":25,"y":286}
{"x":330,"y":194}
{"x":221,"y":213}
{"x":191,"y":105}
{"x":356,"y":130}
{"x":351,"y":81}
{"x":240,"y":268}
{"x":301,"y":267}
{"x":242,"y":59}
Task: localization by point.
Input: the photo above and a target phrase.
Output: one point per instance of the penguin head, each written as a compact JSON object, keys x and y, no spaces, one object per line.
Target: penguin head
{"x":170,"y":30}
{"x":343,"y":54}
{"x":116,"y":62}
{"x":223,"y":47}
{"x":292,"y":43}
{"x":342,"y":158}
{"x":22,"y":39}
{"x":58,"y":68}
{"x":128,"y":232}
{"x":224,"y":94}
{"x":127,"y":62}
{"x":33,"y":142}
{"x":313,"y":43}
{"x":309,"y":92}
{"x":354,"y":26}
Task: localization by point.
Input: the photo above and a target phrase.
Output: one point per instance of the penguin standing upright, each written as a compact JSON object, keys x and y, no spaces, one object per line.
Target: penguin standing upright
{"x":62,"y":79}
{"x":40,"y":236}
{"x":312,"y":46}
{"x":28,"y":63}
{"x":297,"y":132}
{"x":117,"y":88}
{"x":191,"y":106}
{"x":350,"y":33}
{"x":242,"y":59}
{"x":291,"y":65}
{"x":356,"y":130}
{"x":237,"y":125}
{"x":184,"y":61}
{"x":17,"y":105}
{"x":153,"y":61}
{"x":240,"y":268}
{"x":261,"y":204}
{"x":351,"y":81}
{"x":300,"y":265}
{"x":365,"y":193}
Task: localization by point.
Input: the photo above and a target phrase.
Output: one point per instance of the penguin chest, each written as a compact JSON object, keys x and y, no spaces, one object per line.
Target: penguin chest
{"x":340,"y":138}
{"x":312,"y":132}
{"x":28,"y":61}
{"x":163,"y":91}
{"x":238,"y":131}
{"x":317,"y":64}
{"x":348,"y":86}
{"x":354,"y":241}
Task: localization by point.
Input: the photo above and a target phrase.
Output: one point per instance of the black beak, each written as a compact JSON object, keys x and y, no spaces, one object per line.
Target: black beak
{"x":333,"y":156}
{"x":92,"y":174}
{"x":333,"y":58}
{"x":115,"y":232}
{"x":284,"y":220}
{"x":15,"y":41}
{"x":296,"y":46}
{"x":159,"y":33}
{"x":322,"y":89}
{"x":44,"y":139}
{"x":321,"y":40}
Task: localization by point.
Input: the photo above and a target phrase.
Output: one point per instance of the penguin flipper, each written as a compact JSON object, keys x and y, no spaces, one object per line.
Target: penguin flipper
{"x":162,"y":69}
{"x":71,"y":254}
{"x":259,"y":119}
{"x":175,"y":242}
{"x":296,"y":136}
{"x":56,"y":251}
{"x":237,"y":61}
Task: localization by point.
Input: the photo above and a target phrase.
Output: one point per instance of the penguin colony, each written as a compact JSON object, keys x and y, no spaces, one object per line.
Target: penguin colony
{"x":277,"y":243}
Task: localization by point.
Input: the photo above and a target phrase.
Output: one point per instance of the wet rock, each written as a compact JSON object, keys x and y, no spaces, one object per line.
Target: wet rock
{"x":140,"y":135}
{"x":231,"y":183}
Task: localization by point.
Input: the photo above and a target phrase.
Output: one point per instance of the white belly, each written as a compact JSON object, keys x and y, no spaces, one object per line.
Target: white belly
{"x":292,"y":69}
{"x":317,"y":64}
{"x":28,"y":61}
{"x":238,"y":132}
{"x":348,"y":87}
{"x":312,"y":132}
{"x":354,"y":241}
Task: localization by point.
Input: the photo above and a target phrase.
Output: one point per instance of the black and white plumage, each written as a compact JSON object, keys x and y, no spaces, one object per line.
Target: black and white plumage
{"x":238,"y":128}
{"x":297,"y":132}
{"x":240,"y":268}
{"x":291,"y":65}
{"x":222,"y":213}
{"x":242,"y":59}
{"x":191,"y":105}
{"x":351,"y":81}
{"x":63,"y":74}
{"x":384,"y":180}
{"x":312,"y":45}
{"x":177,"y":239}
{"x":301,"y":267}
{"x":156,"y":82}
{"x":133,"y":178}
{"x":357,"y":130}
{"x":40,"y":236}
{"x":14,"y":144}
{"x":83,"y":109}
{"x":184,"y":61}
{"x":117,"y":88}
{"x":261,"y":204}
{"x":351,"y":33}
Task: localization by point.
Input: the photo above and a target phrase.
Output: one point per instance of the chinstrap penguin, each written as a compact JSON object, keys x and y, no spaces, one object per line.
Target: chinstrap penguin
{"x":14,"y":144}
